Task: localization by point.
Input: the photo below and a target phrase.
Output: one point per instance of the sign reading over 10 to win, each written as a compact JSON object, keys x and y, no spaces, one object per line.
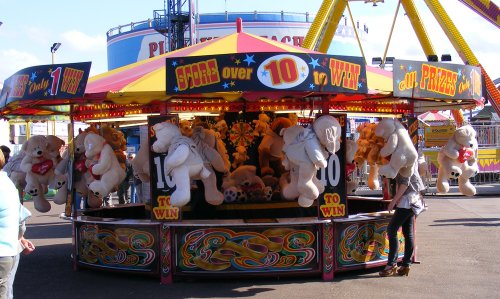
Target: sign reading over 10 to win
{"x":266,"y":72}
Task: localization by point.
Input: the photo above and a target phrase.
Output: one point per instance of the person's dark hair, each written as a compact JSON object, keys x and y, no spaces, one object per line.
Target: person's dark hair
{"x":6,"y":153}
{"x":5,"y":149}
{"x":2,"y":160}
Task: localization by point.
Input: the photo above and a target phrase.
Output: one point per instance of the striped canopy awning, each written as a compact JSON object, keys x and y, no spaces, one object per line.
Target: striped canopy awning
{"x":144,"y":81}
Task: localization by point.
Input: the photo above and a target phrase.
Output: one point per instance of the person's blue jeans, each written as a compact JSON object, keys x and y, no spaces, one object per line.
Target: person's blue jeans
{"x":405,"y":219}
{"x":133,"y":194}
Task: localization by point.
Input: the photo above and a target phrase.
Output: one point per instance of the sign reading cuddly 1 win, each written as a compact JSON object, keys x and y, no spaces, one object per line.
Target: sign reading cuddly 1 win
{"x":162,"y":185}
{"x":333,"y":202}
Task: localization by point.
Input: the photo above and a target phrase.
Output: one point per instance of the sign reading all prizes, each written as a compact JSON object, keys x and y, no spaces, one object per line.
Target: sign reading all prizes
{"x":333,"y":202}
{"x":162,"y":185}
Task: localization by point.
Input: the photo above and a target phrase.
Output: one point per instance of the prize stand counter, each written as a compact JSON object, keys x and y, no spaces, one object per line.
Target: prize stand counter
{"x":252,"y":230}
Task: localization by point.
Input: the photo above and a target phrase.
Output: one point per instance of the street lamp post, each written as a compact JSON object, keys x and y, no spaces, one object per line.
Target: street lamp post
{"x":53,"y":50}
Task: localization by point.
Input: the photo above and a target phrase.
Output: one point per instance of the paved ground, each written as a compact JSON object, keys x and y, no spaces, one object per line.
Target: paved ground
{"x":458,"y":242}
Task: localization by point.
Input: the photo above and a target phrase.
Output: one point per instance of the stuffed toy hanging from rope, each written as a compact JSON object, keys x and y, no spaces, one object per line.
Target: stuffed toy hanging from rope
{"x":307,"y":150}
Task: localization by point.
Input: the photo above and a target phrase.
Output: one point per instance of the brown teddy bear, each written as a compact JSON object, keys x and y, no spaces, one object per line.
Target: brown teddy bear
{"x":271,"y":148}
{"x":243,"y":184}
{"x":240,"y":156}
{"x":261,"y":124}
{"x":369,"y":146}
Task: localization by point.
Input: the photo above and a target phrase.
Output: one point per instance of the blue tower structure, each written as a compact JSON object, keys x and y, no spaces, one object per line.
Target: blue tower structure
{"x":176,"y":23}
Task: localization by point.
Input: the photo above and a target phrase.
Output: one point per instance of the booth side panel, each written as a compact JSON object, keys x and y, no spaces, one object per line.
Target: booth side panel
{"x":118,"y":247}
{"x":247,"y":250}
{"x":363,"y":244}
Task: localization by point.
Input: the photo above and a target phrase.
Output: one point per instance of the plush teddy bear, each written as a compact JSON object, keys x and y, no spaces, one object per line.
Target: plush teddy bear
{"x":185,"y":127}
{"x":243,"y":184}
{"x":352,"y":181}
{"x":39,"y":168}
{"x":261,"y":124}
{"x":183,"y":163}
{"x":206,"y":141}
{"x":270,"y":148}
{"x":221,"y":127}
{"x":140,"y":164}
{"x":103,"y":164}
{"x":399,"y":146}
{"x":307,"y":150}
{"x":294,"y":118}
{"x":240,"y":156}
{"x":369,"y":146}
{"x":116,"y":139}
{"x":458,"y":160}
{"x":81,"y":176}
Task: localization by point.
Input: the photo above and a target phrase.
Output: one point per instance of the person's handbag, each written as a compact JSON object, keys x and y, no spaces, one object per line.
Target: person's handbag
{"x":417,"y":204}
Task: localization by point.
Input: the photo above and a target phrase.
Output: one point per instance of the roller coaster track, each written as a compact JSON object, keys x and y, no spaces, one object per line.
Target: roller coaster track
{"x":324,"y":26}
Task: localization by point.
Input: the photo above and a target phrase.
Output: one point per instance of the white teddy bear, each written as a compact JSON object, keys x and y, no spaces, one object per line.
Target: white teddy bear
{"x":103,"y":165}
{"x":38,"y":166}
{"x":305,"y":153}
{"x":458,"y":160}
{"x":183,"y":162}
{"x":399,"y":146}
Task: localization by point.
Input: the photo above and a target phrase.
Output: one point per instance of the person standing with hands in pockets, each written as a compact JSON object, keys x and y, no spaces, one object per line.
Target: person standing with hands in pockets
{"x":407,"y":192}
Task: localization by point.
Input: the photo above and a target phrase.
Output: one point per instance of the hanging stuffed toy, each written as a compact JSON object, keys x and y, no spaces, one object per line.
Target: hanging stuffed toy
{"x":207,"y":144}
{"x":183,"y":162}
{"x":38,"y":165}
{"x":305,"y":153}
{"x":103,"y":165}
{"x":368,"y":149}
{"x":398,"y":146}
{"x":458,"y":160}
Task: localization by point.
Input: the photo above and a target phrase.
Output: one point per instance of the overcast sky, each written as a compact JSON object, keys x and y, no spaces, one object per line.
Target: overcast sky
{"x":30,"y":28}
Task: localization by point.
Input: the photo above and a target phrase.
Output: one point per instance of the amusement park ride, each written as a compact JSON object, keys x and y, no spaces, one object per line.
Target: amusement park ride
{"x":324,"y":26}
{"x":242,"y":80}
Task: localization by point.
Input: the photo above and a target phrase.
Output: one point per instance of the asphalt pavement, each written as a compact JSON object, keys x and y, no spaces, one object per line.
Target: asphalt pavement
{"x":458,"y":239}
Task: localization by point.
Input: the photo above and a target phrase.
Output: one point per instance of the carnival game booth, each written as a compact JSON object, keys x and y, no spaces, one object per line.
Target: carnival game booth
{"x":239,"y":211}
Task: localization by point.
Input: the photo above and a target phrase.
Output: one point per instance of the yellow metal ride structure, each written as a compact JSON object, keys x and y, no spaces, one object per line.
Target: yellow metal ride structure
{"x":330,"y":13}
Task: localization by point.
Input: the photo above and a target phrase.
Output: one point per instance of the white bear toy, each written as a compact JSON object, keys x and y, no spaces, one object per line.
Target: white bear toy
{"x":352,"y":180}
{"x":103,"y":165}
{"x":458,"y":160}
{"x":305,"y":153}
{"x":183,"y":162}
{"x":399,"y":146}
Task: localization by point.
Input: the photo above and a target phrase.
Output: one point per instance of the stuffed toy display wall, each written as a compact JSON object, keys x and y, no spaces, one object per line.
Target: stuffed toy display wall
{"x":305,"y":153}
{"x":398,"y":146}
{"x":458,"y":160}
{"x":183,"y":162}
